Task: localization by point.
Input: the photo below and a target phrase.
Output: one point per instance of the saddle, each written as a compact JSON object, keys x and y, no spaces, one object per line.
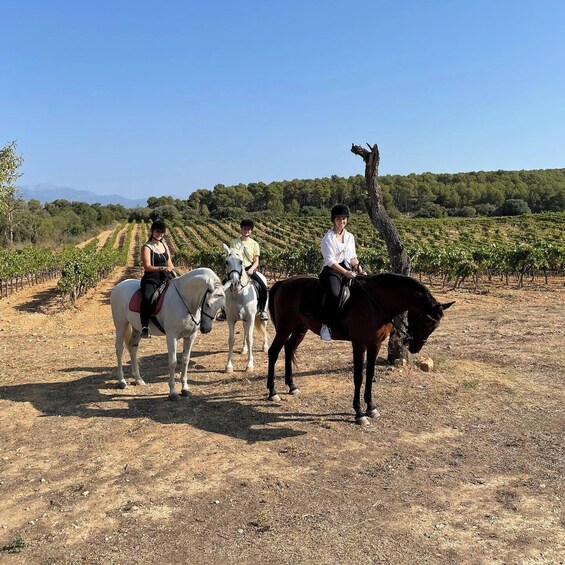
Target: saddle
{"x":313,"y":299}
{"x":255,"y":286}
{"x":156,"y":298}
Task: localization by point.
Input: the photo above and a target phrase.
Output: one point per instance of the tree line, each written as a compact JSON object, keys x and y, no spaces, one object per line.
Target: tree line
{"x":426,"y":195}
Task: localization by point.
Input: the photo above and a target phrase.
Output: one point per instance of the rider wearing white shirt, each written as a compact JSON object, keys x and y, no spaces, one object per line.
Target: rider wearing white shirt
{"x":335,"y":251}
{"x":340,"y":262}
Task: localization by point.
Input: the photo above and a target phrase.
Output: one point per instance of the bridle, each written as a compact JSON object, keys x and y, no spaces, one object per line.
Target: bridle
{"x":240,"y":275}
{"x":201,"y":308}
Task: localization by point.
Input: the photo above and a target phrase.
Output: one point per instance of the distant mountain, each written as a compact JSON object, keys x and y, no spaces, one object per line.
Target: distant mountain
{"x":48,"y":192}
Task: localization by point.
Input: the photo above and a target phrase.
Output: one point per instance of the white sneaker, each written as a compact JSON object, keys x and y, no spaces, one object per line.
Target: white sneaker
{"x":325,"y":333}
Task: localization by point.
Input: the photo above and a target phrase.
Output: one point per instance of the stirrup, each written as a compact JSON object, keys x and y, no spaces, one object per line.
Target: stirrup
{"x":144,"y":332}
{"x":263,"y":316}
{"x":325,"y":333}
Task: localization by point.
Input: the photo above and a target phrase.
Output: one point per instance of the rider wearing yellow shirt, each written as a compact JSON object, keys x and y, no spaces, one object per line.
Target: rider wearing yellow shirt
{"x":251,"y":252}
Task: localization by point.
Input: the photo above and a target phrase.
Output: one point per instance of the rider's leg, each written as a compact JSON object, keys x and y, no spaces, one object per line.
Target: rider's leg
{"x":145,"y":310}
{"x":262,"y":298}
{"x":331,"y":283}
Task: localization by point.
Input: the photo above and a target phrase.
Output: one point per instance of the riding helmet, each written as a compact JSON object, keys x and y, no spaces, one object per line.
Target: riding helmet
{"x":247,"y":223}
{"x":158,"y":225}
{"x":340,"y":210}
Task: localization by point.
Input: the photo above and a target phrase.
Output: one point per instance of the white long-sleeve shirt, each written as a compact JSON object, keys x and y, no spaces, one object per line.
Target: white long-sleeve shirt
{"x":334,"y":251}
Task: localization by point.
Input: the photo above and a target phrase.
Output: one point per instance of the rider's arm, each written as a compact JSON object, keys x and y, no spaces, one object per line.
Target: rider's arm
{"x":253,"y":267}
{"x":330,"y":258}
{"x":351,"y":253}
{"x":146,"y":260}
{"x":347,"y":273}
{"x":170,"y":266}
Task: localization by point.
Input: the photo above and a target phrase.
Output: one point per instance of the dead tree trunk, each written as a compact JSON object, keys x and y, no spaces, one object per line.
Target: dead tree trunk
{"x":399,"y":260}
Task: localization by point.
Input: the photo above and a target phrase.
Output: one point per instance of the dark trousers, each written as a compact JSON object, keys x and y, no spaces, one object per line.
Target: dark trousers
{"x":332,"y":282}
{"x":148,"y":287}
{"x":263,"y":291}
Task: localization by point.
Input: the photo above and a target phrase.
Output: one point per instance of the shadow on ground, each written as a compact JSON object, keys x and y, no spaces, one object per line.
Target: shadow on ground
{"x":93,"y":396}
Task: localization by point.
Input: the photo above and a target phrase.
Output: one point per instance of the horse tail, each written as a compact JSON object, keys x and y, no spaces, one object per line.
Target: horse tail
{"x":259,"y":324}
{"x":127,"y":336}
{"x":272,"y":293}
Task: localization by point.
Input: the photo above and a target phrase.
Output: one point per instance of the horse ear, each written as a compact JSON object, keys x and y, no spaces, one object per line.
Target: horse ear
{"x":447,"y":305}
{"x":226,"y":248}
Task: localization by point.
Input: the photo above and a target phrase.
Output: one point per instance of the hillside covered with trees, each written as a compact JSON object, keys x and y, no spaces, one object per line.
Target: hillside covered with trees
{"x":497,"y":193}
{"x":426,"y":195}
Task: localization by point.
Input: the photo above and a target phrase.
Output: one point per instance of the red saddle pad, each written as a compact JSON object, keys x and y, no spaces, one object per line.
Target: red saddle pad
{"x":135,"y":302}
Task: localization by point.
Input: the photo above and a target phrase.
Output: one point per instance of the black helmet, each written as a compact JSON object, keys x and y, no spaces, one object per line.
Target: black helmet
{"x":340,"y":210}
{"x":158,"y":225}
{"x":247,"y":223}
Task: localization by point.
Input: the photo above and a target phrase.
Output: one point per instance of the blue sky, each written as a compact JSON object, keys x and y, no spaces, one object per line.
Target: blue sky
{"x":143,"y":98}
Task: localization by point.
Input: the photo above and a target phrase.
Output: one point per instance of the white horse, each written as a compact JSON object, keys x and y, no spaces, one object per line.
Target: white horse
{"x":241,"y":304}
{"x":190,"y":304}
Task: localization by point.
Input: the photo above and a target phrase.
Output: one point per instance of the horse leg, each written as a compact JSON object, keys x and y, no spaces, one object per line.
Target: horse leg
{"x":358,"y":356}
{"x":248,"y":333}
{"x":274,"y":351}
{"x":172,"y":349}
{"x":133,"y":348}
{"x":231,"y":341}
{"x":372,"y":352}
{"x":244,"y":346}
{"x":188,"y":342}
{"x":120,"y":337}
{"x":290,"y":346}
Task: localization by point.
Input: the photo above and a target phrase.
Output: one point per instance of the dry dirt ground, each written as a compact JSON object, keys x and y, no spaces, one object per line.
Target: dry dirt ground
{"x":464,"y":465}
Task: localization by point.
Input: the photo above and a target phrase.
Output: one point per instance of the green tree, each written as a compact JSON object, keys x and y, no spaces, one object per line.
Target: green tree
{"x":10,"y":162}
{"x":513,"y":207}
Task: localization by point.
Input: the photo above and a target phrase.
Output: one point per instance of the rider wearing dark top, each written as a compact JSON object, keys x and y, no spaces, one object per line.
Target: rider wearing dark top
{"x":157,"y":266}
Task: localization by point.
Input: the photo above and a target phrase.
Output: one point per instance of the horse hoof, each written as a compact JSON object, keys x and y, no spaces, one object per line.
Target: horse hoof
{"x":139,"y":382}
{"x":249,"y":369}
{"x":374,"y":413}
{"x":228,"y":370}
{"x":362,"y":421}
{"x":275,"y":398}
{"x":174,"y":397}
{"x":294,"y":391}
{"x":122,"y":384}
{"x":185,"y":392}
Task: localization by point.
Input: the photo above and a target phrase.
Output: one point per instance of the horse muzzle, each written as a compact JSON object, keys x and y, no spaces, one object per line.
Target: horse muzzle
{"x":415,"y":346}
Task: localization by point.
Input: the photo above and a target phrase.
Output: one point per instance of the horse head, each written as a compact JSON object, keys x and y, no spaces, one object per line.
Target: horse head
{"x":214,"y":299}
{"x":235,"y":273}
{"x":422,"y":322}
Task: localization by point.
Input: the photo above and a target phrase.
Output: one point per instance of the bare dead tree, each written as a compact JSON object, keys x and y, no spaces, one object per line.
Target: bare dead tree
{"x":399,"y":259}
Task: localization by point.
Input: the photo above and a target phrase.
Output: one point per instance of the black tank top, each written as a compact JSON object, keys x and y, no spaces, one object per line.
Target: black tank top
{"x":157,"y":260}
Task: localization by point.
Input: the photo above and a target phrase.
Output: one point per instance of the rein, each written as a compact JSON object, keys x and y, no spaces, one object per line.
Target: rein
{"x":240,"y":274}
{"x":201,"y":308}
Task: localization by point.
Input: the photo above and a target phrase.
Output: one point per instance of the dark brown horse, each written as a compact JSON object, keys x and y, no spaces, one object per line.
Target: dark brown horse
{"x":366,"y":321}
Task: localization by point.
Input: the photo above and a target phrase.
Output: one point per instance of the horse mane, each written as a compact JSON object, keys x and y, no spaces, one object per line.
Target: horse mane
{"x":394,"y":280}
{"x":203,"y":271}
